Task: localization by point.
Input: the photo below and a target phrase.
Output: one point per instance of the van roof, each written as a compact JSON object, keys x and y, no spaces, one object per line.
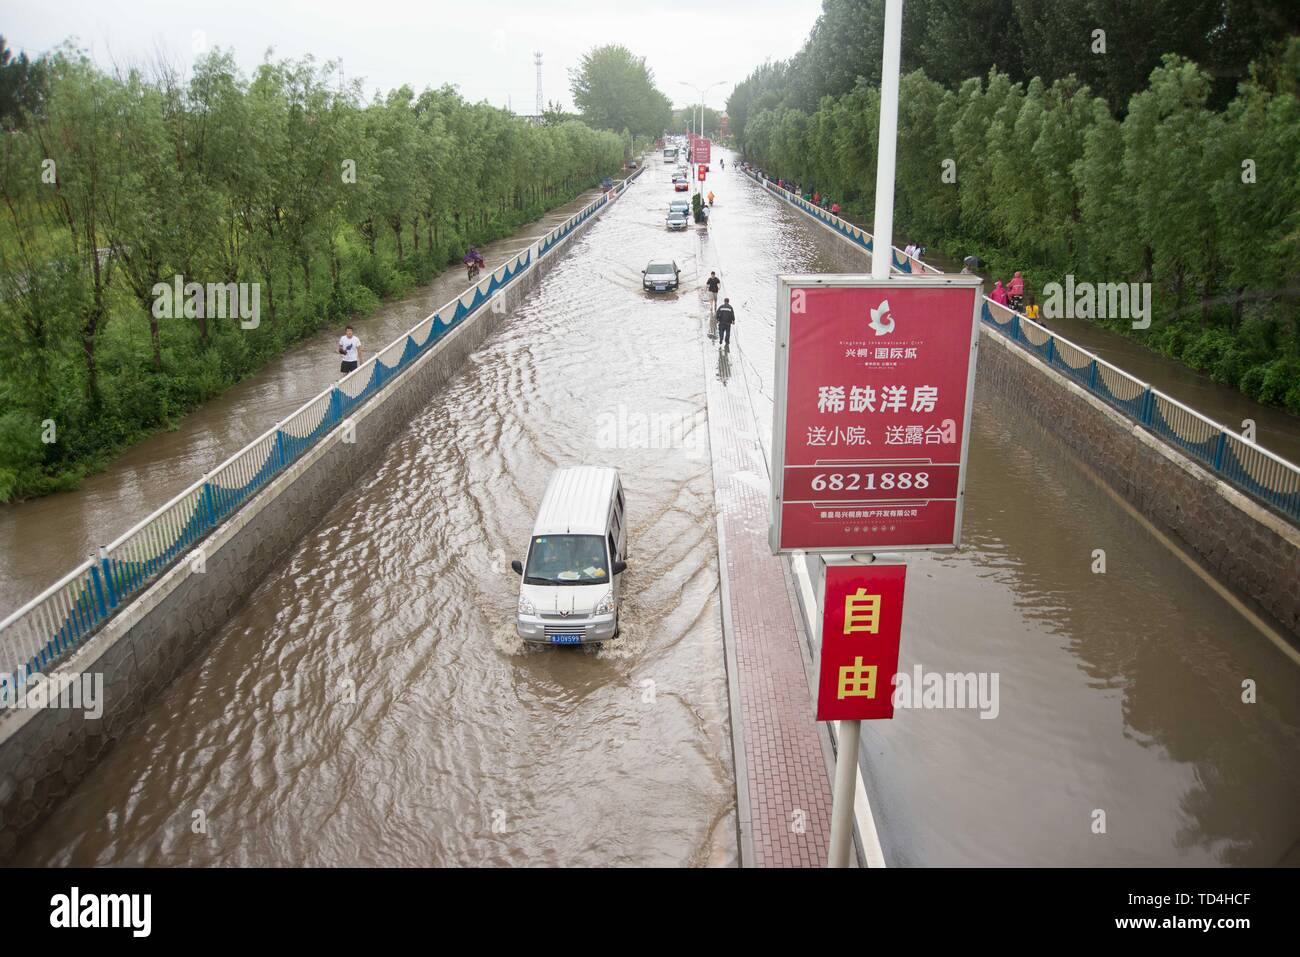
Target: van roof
{"x":576,"y":501}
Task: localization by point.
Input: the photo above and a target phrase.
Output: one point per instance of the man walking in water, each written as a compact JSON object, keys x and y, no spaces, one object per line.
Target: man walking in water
{"x":350,"y":350}
{"x":726,"y":316}
{"x":713,"y":284}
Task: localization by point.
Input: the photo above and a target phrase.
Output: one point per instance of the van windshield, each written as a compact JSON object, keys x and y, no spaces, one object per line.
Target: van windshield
{"x":566,"y":560}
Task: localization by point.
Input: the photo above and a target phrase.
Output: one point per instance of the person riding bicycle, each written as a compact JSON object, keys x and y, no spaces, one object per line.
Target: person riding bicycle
{"x":473,"y":262}
{"x":1016,"y":292}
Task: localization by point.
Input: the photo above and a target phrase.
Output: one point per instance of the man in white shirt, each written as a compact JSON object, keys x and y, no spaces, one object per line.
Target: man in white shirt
{"x":350,"y":350}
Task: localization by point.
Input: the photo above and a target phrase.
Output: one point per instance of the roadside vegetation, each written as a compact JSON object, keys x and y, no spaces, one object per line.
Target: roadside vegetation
{"x":614,"y":89}
{"x":290,"y":179}
{"x":1098,"y":157}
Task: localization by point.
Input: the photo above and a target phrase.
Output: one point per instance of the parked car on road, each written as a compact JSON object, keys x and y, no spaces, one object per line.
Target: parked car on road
{"x":680,"y":206}
{"x":661,"y":275}
{"x":681,"y":185}
{"x":677,"y":220}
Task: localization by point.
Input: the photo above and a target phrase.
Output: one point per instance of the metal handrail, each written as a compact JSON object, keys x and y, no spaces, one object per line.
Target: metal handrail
{"x":900,"y":261}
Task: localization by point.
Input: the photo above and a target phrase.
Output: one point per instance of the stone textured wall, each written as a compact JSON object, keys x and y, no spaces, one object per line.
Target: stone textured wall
{"x":44,"y":753}
{"x":1241,"y":542}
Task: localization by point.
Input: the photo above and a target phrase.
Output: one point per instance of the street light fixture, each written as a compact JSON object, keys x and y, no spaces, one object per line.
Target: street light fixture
{"x":702,"y":92}
{"x":700,"y":130}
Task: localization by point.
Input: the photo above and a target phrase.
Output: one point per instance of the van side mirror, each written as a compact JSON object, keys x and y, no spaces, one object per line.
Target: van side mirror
{"x":518,"y":566}
{"x":620,"y":566}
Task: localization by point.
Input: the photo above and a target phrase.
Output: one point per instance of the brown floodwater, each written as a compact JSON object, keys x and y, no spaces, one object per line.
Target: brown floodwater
{"x":1119,"y":692}
{"x":463,"y":746}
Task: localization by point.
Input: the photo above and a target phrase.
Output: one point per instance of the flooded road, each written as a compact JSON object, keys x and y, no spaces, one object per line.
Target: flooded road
{"x":43,"y":538}
{"x":463,"y":747}
{"x":1119,"y":692}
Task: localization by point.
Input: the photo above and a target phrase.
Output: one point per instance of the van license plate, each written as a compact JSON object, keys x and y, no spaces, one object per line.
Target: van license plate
{"x":566,"y":639}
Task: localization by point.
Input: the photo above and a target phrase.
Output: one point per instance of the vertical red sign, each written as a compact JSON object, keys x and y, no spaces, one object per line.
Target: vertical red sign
{"x":703,"y":173}
{"x":702,"y":150}
{"x":872,"y":414}
{"x":862,"y":623}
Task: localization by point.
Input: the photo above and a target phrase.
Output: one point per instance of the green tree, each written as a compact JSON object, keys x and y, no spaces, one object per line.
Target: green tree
{"x":22,"y":86}
{"x":615,"y":90}
{"x":288,"y":179}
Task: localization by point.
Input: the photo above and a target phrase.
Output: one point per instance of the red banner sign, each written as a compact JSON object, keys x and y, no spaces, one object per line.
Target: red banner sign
{"x":874,"y":383}
{"x":703,"y":173}
{"x":701,"y":150}
{"x":862,"y":623}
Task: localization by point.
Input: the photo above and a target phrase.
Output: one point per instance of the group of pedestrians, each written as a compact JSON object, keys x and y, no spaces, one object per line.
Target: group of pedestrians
{"x":1013,"y":296}
{"x":818,"y":199}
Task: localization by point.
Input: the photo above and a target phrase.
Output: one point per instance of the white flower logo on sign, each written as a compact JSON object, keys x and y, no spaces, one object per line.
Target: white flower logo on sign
{"x":881,"y":321}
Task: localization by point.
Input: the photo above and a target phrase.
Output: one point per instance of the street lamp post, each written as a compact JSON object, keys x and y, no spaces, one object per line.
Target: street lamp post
{"x":702,"y":92}
{"x":699,"y":131}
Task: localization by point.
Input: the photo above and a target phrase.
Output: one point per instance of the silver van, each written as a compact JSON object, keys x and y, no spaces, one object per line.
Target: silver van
{"x":578,"y":552}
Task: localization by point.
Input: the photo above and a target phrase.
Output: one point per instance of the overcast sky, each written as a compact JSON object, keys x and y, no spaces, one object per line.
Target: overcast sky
{"x":484,"y":48}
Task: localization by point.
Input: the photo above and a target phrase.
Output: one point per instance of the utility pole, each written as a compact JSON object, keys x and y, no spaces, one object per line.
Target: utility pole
{"x":537,"y":60}
{"x":699,"y":129}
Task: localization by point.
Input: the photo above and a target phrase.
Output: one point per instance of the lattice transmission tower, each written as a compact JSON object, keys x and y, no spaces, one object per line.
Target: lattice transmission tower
{"x":537,"y":59}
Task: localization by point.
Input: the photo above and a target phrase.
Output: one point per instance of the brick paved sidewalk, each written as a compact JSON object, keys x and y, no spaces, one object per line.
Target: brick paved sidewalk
{"x":783,"y":786}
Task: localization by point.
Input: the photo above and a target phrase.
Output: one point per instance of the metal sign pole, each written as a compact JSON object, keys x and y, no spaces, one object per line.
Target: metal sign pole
{"x":850,"y":732}
{"x":846,"y":779}
{"x":887,"y":152}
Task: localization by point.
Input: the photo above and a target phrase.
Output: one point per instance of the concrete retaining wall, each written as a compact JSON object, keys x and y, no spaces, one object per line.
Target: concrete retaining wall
{"x":45,"y":752}
{"x":1245,"y":545}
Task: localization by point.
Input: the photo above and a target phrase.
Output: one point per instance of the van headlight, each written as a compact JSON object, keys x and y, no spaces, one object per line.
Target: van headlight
{"x":526,"y":606}
{"x":606,"y":604}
